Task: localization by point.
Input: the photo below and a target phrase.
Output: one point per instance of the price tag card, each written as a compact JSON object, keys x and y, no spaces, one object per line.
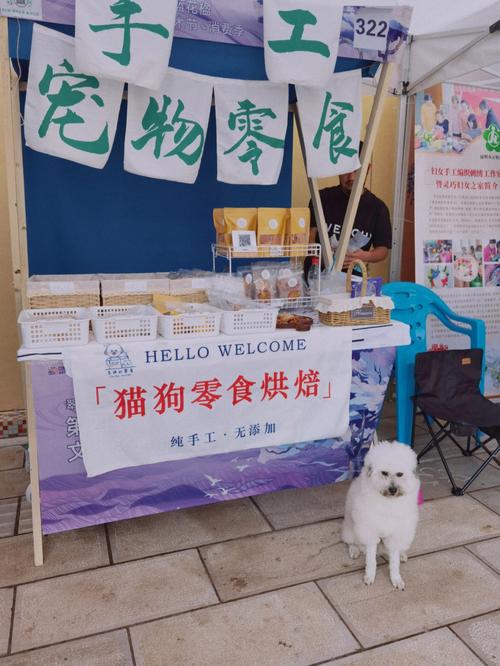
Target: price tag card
{"x":371,"y":28}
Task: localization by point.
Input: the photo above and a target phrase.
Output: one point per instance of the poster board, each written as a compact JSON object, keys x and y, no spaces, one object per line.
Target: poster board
{"x":457,"y":210}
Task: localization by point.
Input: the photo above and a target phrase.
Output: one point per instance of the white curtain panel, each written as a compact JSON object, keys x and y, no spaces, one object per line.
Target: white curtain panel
{"x":252,"y":120}
{"x":166,"y":129}
{"x":128,"y":40}
{"x":301,"y":40}
{"x":331,"y":124}
{"x":69,"y":113}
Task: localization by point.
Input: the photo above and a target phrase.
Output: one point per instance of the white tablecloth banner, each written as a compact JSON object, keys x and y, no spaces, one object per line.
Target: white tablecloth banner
{"x":301,"y":40}
{"x":252,"y":119}
{"x":69,"y":113}
{"x":143,"y":403}
{"x":331,"y":124}
{"x":128,"y":40}
{"x":166,"y":129}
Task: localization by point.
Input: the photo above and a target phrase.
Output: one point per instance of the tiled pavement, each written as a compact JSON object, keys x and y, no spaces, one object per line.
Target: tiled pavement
{"x":262,"y":581}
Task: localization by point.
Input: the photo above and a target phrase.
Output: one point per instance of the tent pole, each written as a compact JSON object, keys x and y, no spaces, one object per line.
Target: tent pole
{"x":366,"y":154}
{"x":11,"y":127}
{"x":8,"y":90}
{"x":319,"y":215}
{"x":400,"y":182}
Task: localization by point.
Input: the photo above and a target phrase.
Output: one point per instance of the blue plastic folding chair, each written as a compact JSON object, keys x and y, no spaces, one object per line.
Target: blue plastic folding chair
{"x":413,"y":303}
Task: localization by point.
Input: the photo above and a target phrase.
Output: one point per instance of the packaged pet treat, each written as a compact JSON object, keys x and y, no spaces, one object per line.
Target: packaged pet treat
{"x":221,"y":236}
{"x":271,"y":226}
{"x":246,"y":274}
{"x":240,"y":219}
{"x":264,"y":281}
{"x":289,"y":283}
{"x":298,"y":225}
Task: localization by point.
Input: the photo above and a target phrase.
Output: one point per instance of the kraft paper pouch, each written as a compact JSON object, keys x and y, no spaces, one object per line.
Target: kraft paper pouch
{"x":240,"y":219}
{"x":221,"y":237}
{"x":299,"y":222}
{"x":271,"y":226}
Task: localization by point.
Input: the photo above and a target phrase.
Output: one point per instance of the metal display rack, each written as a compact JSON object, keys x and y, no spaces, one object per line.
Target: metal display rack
{"x":296,"y":253}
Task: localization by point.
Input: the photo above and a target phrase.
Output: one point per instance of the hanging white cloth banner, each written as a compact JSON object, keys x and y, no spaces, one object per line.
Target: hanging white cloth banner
{"x":68,"y":113}
{"x":331,"y":124}
{"x":301,"y":40}
{"x":128,"y":40}
{"x":166,"y":129}
{"x":252,"y":119}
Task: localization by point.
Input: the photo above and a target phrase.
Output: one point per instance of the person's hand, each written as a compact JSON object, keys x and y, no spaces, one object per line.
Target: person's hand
{"x":362,"y":255}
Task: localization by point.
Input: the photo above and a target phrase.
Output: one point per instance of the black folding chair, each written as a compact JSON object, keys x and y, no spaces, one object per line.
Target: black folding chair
{"x":449,"y":398}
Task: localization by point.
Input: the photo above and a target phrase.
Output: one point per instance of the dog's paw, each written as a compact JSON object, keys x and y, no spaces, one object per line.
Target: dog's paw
{"x":369,"y":579}
{"x":354,"y":552}
{"x":398,"y":583}
{"x":403,"y":557}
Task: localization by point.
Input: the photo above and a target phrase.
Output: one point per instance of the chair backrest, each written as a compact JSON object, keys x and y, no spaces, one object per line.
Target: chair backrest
{"x":448,"y":375}
{"x":413,"y":303}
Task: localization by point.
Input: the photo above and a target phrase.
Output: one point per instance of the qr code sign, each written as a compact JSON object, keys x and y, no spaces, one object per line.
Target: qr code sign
{"x":245,"y":241}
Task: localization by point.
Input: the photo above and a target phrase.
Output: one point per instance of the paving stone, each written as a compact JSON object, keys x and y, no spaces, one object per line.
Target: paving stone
{"x":299,"y":506}
{"x":106,"y":650}
{"x":25,"y":524}
{"x":6,"y":599}
{"x":290,"y":627}
{"x":13,"y":483}
{"x":441,"y":588}
{"x":63,"y":553}
{"x":482,"y":634}
{"x":453,"y":521}
{"x":489,"y":552}
{"x":436,"y":648}
{"x":490,"y":497}
{"x":270,"y":561}
{"x":176,"y":530}
{"x":435,"y":482}
{"x":85,"y":603}
{"x":8,"y":513}
{"x":11,"y":457}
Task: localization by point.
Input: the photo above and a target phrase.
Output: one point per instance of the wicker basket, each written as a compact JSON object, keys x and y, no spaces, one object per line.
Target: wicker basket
{"x":62,"y":291}
{"x":132,"y":289}
{"x":371,"y":310}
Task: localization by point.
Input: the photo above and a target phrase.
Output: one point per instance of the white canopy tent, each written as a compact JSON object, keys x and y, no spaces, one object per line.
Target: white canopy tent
{"x":450,"y":40}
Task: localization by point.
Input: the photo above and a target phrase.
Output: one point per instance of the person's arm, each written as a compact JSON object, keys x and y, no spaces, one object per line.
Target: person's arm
{"x":372,"y":256}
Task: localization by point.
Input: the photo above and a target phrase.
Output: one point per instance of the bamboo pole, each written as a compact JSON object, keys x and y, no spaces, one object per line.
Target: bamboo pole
{"x":366,"y":154}
{"x":326,"y":249}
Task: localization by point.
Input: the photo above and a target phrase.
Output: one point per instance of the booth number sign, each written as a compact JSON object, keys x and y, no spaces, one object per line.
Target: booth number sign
{"x":371,"y":28}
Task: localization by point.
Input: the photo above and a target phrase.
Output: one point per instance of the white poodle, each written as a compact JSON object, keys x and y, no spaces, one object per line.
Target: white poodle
{"x":381,"y":505}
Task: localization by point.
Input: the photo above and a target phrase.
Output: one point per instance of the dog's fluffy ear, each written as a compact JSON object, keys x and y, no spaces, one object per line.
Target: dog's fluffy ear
{"x":369,"y":470}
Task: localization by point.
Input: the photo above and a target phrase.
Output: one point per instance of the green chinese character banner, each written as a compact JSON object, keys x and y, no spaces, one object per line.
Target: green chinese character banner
{"x":125,"y":40}
{"x":331,"y":124}
{"x":301,"y":40}
{"x":69,"y":113}
{"x":166,"y":129}
{"x":252,"y":119}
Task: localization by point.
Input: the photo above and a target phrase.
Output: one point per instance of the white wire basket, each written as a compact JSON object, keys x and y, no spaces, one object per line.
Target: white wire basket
{"x":254,"y":320}
{"x":54,"y":327}
{"x":111,"y":323}
{"x":194,"y":321}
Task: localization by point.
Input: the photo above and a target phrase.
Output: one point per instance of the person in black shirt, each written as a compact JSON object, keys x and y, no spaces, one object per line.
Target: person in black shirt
{"x":371,"y":233}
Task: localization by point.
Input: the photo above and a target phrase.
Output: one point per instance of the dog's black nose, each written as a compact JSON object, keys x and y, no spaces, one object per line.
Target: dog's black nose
{"x":393,"y":490}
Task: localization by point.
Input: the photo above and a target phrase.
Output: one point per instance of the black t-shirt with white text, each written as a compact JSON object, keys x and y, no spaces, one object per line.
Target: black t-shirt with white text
{"x":372,"y":218}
